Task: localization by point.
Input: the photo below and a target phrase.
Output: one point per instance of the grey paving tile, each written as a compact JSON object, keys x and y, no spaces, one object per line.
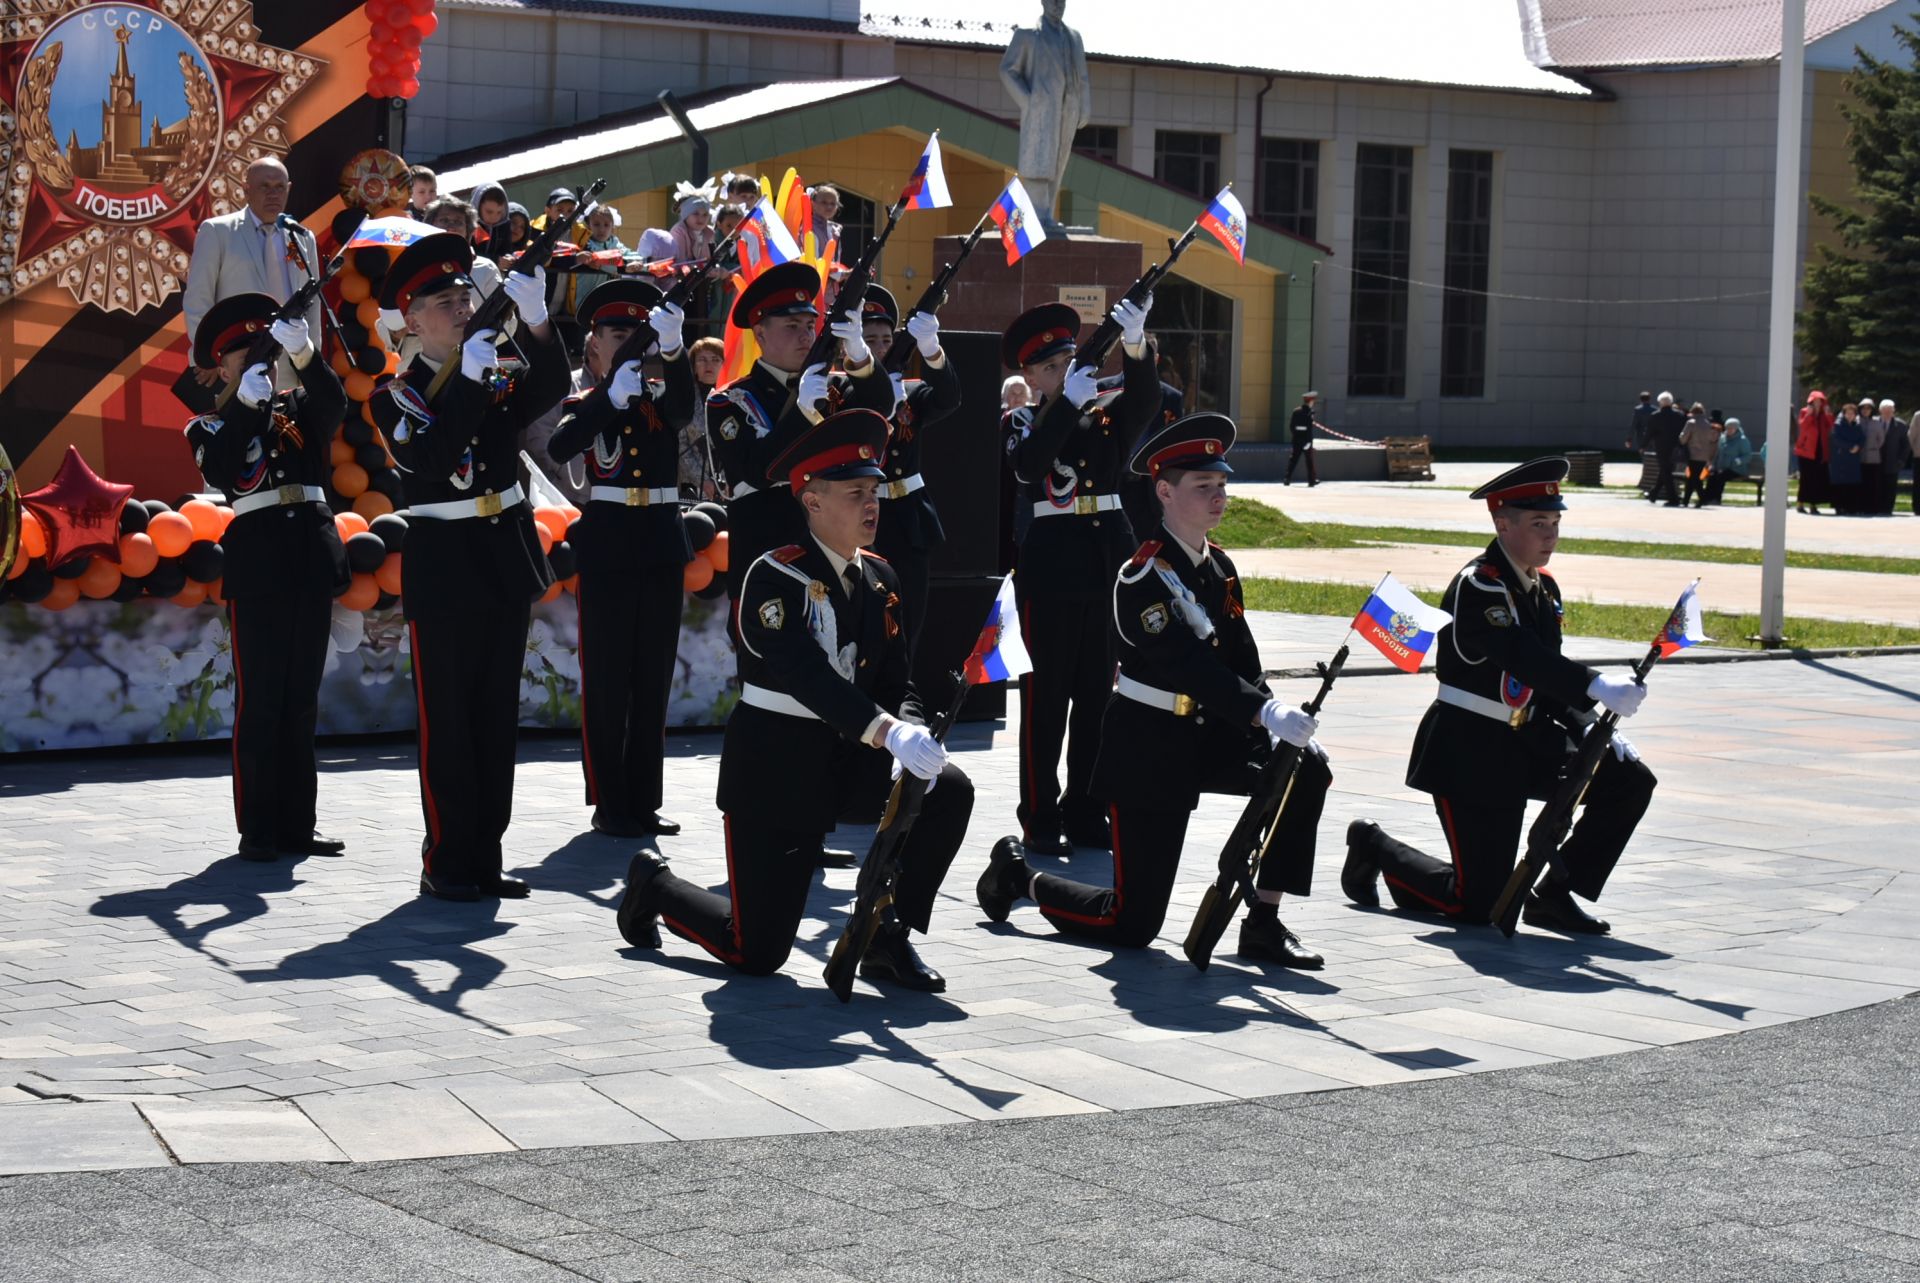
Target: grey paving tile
{"x":239,"y":1132}
{"x":62,"y":1136}
{"x":388,"y":1123}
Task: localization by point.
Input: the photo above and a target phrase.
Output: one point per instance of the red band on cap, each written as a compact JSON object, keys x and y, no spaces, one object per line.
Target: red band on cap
{"x":403,"y":297}
{"x":617,"y":313}
{"x":784,"y":298}
{"x":236,"y":334}
{"x":1180,"y":450}
{"x":1040,"y":340}
{"x":1536,"y":490}
{"x":853,"y":452}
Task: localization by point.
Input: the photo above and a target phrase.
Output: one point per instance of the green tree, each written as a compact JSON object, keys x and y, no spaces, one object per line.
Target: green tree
{"x":1860,"y":330}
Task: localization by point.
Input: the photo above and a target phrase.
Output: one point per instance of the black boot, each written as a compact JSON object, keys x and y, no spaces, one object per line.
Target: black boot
{"x":1551,"y":905}
{"x":892,"y":960}
{"x":639,"y":923}
{"x":1263,"y":935}
{"x":827,"y":857}
{"x":1005,"y":881}
{"x":1358,"y":874}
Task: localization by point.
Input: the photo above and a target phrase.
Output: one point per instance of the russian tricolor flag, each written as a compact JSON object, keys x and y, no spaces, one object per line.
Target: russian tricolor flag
{"x":1018,"y":221}
{"x":1684,"y":627}
{"x":1227,"y":220}
{"x":765,"y":226}
{"x":1399,"y":624}
{"x":1000,"y":655}
{"x":927,"y":189}
{"x":394,"y":233}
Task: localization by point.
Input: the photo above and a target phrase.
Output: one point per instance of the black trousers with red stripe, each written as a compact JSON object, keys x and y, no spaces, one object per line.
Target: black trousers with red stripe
{"x":1147,"y":841}
{"x":629,"y":639}
{"x":752,"y":923}
{"x":1483,"y":838}
{"x":466,"y":682}
{"x":1068,"y":637}
{"x":279,"y":652}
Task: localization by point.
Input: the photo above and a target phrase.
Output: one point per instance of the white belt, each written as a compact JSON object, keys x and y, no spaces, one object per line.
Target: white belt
{"x":278,"y":498}
{"x":1154,"y":697}
{"x":634,"y":498}
{"x":902,"y":488}
{"x":774,"y":701}
{"x":1085,"y":505}
{"x":1491,"y":708}
{"x":486,"y":505}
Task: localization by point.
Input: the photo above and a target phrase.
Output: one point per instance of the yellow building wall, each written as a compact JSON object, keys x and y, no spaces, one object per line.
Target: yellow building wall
{"x":1829,"y":173}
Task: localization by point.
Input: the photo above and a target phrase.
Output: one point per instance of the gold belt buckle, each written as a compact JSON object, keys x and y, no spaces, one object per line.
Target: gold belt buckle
{"x":896,"y":489}
{"x":1085,"y":506}
{"x":292,"y":494}
{"x":487,"y":505}
{"x":1518,"y":717}
{"x":636,"y":498}
{"x":1183,"y":705}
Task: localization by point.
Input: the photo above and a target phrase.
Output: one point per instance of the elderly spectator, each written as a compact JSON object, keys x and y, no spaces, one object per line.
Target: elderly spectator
{"x":492,"y":232}
{"x":1846,"y":446}
{"x":1812,"y":443}
{"x":1701,"y":438}
{"x":1875,"y":430}
{"x":826,"y":204}
{"x":1664,"y":436}
{"x":1895,"y":450}
{"x":1732,"y":460}
{"x":693,"y":233}
{"x":423,"y":188}
{"x":1015,"y":394}
{"x":245,"y":252}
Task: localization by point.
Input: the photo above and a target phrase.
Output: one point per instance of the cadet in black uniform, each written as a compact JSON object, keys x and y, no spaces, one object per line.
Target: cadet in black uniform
{"x":473,"y":565}
{"x":1510,"y":707}
{"x":267,"y":452}
{"x":632,"y":550}
{"x":1069,"y":450}
{"x":753,"y":420}
{"x":825,"y":699}
{"x":910,"y":528}
{"x":1190,"y":714}
{"x":1300,"y":426}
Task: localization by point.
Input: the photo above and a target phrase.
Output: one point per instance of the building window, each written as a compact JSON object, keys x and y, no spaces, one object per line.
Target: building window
{"x":1102,"y":142}
{"x":1382,"y":262}
{"x":1290,"y":185}
{"x":1463,"y":322}
{"x":1193,"y":327}
{"x":1190,"y":162}
{"x":858,"y":225}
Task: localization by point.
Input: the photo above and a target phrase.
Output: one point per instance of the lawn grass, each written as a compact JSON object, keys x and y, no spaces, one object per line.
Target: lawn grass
{"x":1587,"y":619}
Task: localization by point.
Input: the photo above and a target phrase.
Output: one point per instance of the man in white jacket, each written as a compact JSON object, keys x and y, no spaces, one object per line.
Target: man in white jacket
{"x":245,"y":252}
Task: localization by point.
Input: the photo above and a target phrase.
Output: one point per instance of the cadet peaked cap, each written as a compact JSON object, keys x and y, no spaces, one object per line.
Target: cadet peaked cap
{"x":1534,"y":486}
{"x":1194,"y":443}
{"x":231,"y":323}
{"x":620,"y":301}
{"x":786,"y":289}
{"x":429,"y":265}
{"x":841,"y":447}
{"x":879,"y":307}
{"x":1038,"y":333}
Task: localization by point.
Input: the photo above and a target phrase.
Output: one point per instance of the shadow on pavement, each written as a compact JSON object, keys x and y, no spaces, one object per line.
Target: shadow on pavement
{"x":1564,"y":964}
{"x":237,"y":887}
{"x":1904,"y":692}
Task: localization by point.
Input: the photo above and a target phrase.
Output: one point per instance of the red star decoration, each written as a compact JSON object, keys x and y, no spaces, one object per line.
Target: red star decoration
{"x":79,"y":511}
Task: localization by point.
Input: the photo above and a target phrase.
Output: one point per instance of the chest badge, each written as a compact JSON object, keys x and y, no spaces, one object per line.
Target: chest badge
{"x":773,"y":614}
{"x":1154,"y":618}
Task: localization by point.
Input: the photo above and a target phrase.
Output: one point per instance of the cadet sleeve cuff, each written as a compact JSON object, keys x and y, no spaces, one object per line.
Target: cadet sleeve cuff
{"x":867,"y":736}
{"x":863,"y":371}
{"x":1138,"y":351}
{"x":938,"y":361}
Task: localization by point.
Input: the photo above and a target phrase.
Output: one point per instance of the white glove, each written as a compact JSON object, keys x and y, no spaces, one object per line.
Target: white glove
{"x":925,"y":328}
{"x":1623,"y":749}
{"x":529,"y":294}
{"x":256,"y":386}
{"x":813,"y":386}
{"x":847,"y":330}
{"x":1132,"y":319}
{"x":292,"y":336}
{"x":667,"y":321}
{"x":1285,"y":722}
{"x":1081,"y":387}
{"x":899,"y":387}
{"x":627,"y":383}
{"x":894,"y":774}
{"x":478,"y":355}
{"x":1318,"y":750}
{"x":915,"y":748}
{"x":1620,"y":695}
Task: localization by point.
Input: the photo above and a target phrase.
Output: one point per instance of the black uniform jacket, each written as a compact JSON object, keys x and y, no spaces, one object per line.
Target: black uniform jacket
{"x":637,"y":448}
{"x":242,"y":451}
{"x":800,"y":769}
{"x":926,"y":401}
{"x":1153,"y":755}
{"x":1060,"y":456}
{"x":1503,"y":645}
{"x":464,"y":446}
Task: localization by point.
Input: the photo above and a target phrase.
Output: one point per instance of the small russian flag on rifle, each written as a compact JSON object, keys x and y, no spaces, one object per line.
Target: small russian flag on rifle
{"x":1684,"y":627}
{"x":1399,"y":624}
{"x":1018,"y":221}
{"x":1001,"y":653}
{"x":927,"y":189}
{"x":1228,"y":221}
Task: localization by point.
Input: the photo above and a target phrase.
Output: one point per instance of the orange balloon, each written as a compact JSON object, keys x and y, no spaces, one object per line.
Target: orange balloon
{"x":363,"y":595}
{"x":571,"y":583}
{"x":339,"y":452}
{"x":572,"y":515}
{"x":350,"y":479}
{"x":170,"y":532}
{"x":19,"y":566}
{"x":553,"y":590}
{"x":366,"y":413}
{"x":349,"y":524}
{"x":190,"y":596}
{"x":64,"y":593}
{"x":226,"y":517}
{"x":353,"y":286}
{"x":216,"y":593}
{"x":718,"y":552}
{"x":359,"y":385}
{"x":33,"y":535}
{"x":368,"y":314}
{"x":371,"y":504}
{"x":553,"y":521}
{"x":138,"y":556}
{"x":99,"y":579}
{"x":203,"y":517}
{"x":698,"y":574}
{"x":393,"y":363}
{"x":545,"y":533}
{"x":388,"y":576}
{"x":342,"y":363}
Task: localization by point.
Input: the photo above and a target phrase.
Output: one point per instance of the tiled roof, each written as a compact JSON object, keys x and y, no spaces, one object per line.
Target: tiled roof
{"x":1593,"y":34}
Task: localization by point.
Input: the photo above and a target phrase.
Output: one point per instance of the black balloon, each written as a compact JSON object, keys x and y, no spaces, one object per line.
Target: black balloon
{"x":371,"y":262}
{"x":365,"y":552}
{"x":565,"y":563}
{"x":347,"y":222}
{"x":573,"y":531}
{"x":204,"y":561}
{"x":391,"y":528}
{"x":371,"y":360}
{"x":700,"y":528}
{"x":352,"y":333}
{"x":33,"y":583}
{"x":72,"y":568}
{"x":718,"y":588}
{"x":357,"y":431}
{"x":386,"y":601}
{"x":166,"y":579}
{"x":128,"y":589}
{"x":372,"y":457}
{"x":155,"y":507}
{"x":386,"y":481}
{"x":133,"y":519}
{"x":715,"y":513}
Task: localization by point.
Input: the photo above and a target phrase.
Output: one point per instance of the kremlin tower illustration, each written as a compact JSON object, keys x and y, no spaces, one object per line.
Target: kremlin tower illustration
{"x":120,"y":162}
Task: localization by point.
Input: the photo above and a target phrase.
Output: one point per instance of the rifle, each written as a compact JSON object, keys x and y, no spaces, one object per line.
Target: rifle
{"x":636,"y":344}
{"x":931,"y":299}
{"x":263,"y":349}
{"x":880,"y":871}
{"x":1246,"y":846}
{"x":494,"y":310}
{"x":1099,"y":345}
{"x":1555,"y":821}
{"x":847,"y":301}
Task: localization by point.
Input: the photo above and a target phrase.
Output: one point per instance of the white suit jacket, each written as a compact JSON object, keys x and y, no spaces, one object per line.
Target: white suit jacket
{"x":230,"y":257}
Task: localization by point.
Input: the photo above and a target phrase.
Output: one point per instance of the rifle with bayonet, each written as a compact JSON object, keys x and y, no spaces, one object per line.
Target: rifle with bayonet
{"x":847,"y":302}
{"x":880,"y":872}
{"x":1555,"y":821}
{"x":497,"y":307}
{"x":1246,"y":846}
{"x":931,"y":300}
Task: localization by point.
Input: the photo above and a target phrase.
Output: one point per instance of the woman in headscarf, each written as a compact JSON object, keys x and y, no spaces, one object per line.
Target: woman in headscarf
{"x":1845,"y":447}
{"x":1810,"y":447}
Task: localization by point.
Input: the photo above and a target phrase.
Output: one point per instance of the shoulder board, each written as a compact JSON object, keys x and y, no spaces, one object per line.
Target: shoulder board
{"x":1487,"y":570}
{"x":718,"y":399}
{"x":868,"y":554}
{"x":1543,"y":572}
{"x":789,"y":554}
{"x":1145,"y":553}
